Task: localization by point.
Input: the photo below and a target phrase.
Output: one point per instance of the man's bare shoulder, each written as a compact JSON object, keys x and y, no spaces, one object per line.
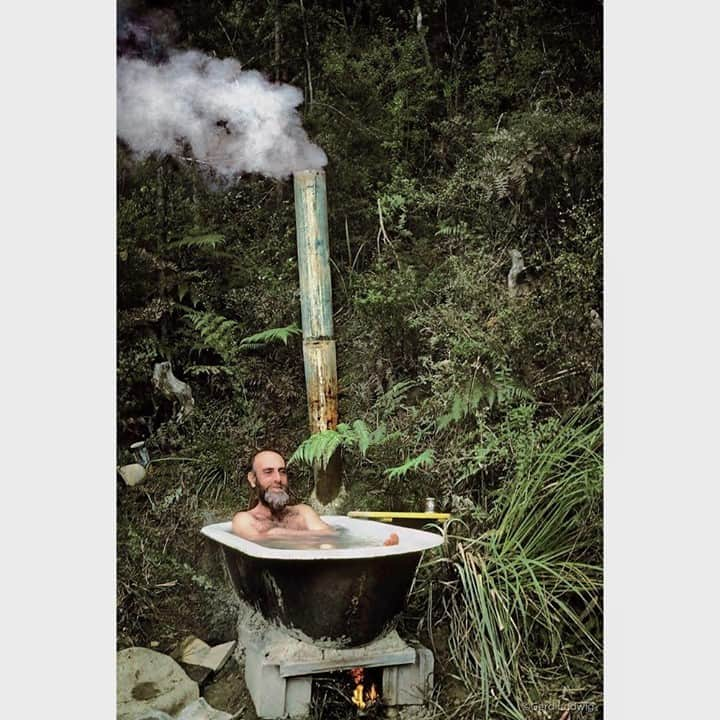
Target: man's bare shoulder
{"x":245,"y":523}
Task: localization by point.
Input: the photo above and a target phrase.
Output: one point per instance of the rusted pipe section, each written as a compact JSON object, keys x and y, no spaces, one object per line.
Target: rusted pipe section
{"x":321,"y":383}
{"x":317,"y":324}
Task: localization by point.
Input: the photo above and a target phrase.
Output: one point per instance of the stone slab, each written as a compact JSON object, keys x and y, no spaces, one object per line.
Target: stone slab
{"x":348,"y":660}
{"x":193,"y":651}
{"x":218,"y":655}
{"x":282,"y":648}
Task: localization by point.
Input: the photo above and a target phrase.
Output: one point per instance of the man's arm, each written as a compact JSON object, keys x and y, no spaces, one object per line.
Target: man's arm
{"x":246,"y":526}
{"x":313,"y":520}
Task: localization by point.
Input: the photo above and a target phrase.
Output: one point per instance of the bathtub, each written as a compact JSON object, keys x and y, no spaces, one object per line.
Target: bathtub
{"x":339,"y":597}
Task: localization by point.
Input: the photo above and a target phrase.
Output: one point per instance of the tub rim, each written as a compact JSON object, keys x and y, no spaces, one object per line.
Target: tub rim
{"x":411,"y":541}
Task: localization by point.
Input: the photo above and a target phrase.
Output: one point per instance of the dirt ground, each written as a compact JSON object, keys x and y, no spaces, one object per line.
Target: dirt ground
{"x":226,"y":691}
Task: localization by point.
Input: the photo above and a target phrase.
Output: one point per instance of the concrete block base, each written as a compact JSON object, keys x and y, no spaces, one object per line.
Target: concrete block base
{"x":275,"y":696}
{"x":409,"y":684}
{"x":279,"y":670}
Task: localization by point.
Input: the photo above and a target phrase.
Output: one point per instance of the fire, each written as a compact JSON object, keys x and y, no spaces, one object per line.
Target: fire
{"x":357,"y":697}
{"x":361,"y":698}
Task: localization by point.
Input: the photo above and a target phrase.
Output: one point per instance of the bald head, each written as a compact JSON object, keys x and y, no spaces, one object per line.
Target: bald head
{"x":265,"y":457}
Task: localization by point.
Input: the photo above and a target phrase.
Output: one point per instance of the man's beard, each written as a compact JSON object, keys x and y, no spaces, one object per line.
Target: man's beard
{"x":276,"y":500}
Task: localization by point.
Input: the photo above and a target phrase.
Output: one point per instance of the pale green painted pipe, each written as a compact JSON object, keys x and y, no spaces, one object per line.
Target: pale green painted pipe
{"x":313,"y":254}
{"x":317,"y":322}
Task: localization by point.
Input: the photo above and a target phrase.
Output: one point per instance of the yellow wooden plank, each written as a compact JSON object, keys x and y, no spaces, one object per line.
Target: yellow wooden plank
{"x":386,"y":516}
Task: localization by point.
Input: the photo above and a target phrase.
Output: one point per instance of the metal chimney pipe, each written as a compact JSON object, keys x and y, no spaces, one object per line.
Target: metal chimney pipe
{"x":317,"y":325}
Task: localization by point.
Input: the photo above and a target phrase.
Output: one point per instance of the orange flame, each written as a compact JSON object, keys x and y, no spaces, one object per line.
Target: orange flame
{"x":359,"y":696}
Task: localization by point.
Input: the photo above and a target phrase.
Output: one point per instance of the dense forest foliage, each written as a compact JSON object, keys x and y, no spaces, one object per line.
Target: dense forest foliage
{"x":461,"y":137}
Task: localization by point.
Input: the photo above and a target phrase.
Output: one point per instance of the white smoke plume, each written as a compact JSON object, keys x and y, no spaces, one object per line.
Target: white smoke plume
{"x":233,"y":120}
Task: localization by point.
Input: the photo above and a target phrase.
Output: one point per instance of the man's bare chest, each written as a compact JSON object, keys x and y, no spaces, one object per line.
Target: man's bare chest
{"x":289,"y":520}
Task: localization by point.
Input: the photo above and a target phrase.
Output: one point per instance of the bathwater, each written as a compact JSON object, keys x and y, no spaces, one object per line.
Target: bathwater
{"x":341,"y":538}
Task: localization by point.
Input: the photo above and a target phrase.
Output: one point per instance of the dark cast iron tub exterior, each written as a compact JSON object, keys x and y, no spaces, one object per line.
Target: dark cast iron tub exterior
{"x":342,"y":597}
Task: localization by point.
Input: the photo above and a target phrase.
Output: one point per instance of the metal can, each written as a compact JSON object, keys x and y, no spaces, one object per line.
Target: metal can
{"x":429,"y":505}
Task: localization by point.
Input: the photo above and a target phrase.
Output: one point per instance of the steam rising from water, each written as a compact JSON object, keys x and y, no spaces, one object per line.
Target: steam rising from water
{"x":235,"y":121}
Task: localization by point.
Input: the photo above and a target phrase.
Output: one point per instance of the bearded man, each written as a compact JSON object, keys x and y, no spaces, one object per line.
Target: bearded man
{"x":273,"y":517}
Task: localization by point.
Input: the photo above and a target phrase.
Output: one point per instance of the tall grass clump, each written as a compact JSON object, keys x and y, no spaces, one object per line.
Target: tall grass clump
{"x":527,"y":584}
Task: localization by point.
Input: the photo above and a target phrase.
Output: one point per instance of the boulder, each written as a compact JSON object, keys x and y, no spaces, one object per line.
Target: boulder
{"x":150,"y":681}
{"x":197,"y":710}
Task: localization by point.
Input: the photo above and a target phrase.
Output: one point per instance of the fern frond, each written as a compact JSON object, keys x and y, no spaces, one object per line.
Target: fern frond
{"x":457,"y":231}
{"x":216,"y":331}
{"x":363,"y":435}
{"x":208,"y":241}
{"x":208,"y":370}
{"x":319,"y":447}
{"x":281,"y":334}
{"x":424,"y":459}
{"x":502,"y":389}
{"x":400,"y":389}
{"x":379,"y":435}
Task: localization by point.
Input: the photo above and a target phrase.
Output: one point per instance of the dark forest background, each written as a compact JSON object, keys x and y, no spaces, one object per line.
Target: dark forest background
{"x":458,"y":135}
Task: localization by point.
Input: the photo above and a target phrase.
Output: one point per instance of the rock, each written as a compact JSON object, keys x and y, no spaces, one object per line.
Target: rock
{"x":132,"y":474}
{"x":150,"y":681}
{"x":200,"y":710}
{"x":197,"y":710}
{"x":198,"y":673}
